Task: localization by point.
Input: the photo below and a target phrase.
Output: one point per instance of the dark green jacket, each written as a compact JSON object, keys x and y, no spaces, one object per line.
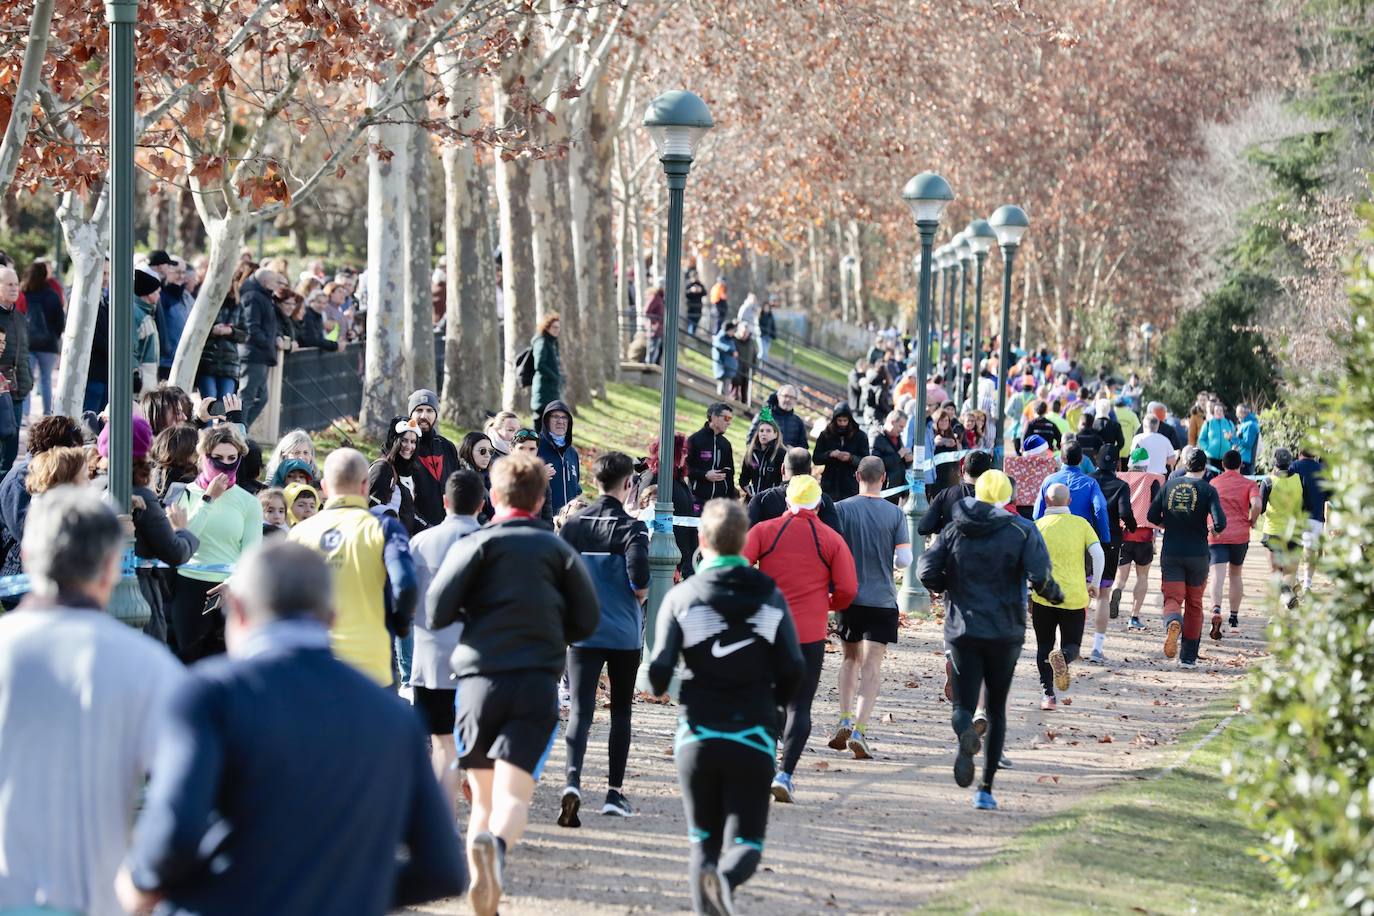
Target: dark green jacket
{"x":14,"y":362}
{"x":548,"y":373}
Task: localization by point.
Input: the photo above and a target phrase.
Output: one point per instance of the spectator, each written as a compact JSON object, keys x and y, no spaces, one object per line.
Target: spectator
{"x":548,"y":372}
{"x":839,"y":449}
{"x":501,"y":430}
{"x":772,"y":503}
{"x":374,"y":575}
{"x":724,"y":358}
{"x":14,"y":367}
{"x":391,"y":479}
{"x":437,"y":457}
{"x":295,"y":444}
{"x":218,"y":372}
{"x":45,"y":434}
{"x":653,"y":316}
{"x":720,"y":306}
{"x":886,"y":444}
{"x":265,"y":336}
{"x":762,"y":468}
{"x":164,"y":406}
{"x":694,"y":292}
{"x":47,"y":320}
{"x":556,"y":449}
{"x":302,"y":502}
{"x":84,"y":698}
{"x":175,"y":463}
{"x":273,"y":502}
{"x":711,"y":459}
{"x":768,"y":328}
{"x":747,"y":357}
{"x":310,"y":328}
{"x":174,"y":308}
{"x":254,"y":742}
{"x":783,"y":404}
{"x":475,"y":454}
{"x":684,"y":503}
{"x":227,"y":520}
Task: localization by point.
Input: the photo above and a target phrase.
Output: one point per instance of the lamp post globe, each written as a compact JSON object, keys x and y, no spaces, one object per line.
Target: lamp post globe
{"x":927,"y":194}
{"x":1147,"y":331}
{"x":1009,"y":223}
{"x":677,"y":120}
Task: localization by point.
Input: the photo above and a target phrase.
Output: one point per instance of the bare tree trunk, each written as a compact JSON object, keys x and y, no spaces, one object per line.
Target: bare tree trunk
{"x":1025,"y":302}
{"x":517,"y":260}
{"x":87,"y":240}
{"x":25,"y":93}
{"x":386,"y":380}
{"x":226,"y":240}
{"x":815,"y":243}
{"x":624,"y":323}
{"x":419,"y":308}
{"x":854,"y":241}
{"x":470,"y":358}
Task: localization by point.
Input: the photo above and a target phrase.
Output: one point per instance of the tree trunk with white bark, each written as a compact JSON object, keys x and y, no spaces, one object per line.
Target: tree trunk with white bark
{"x":419,"y":309}
{"x":87,"y":240}
{"x":226,"y":241}
{"x":25,"y":93}
{"x":517,"y":260}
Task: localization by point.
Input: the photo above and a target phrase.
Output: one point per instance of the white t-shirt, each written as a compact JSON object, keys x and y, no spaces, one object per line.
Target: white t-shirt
{"x":82,"y":698}
{"x":1160,"y":449}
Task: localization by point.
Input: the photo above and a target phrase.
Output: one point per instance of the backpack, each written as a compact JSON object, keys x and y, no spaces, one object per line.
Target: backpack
{"x":524,"y":367}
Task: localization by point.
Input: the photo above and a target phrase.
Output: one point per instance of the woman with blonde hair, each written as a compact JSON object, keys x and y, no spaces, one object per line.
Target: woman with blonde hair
{"x":295,"y":444}
{"x":57,"y":467}
{"x":227,"y":520}
{"x":501,"y":430}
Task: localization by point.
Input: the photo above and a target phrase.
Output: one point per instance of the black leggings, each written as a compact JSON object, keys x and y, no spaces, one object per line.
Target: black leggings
{"x":1047,"y":622}
{"x":197,"y":634}
{"x":724,"y":788}
{"x":978,"y":662}
{"x":798,"y":727}
{"x":584,"y":670}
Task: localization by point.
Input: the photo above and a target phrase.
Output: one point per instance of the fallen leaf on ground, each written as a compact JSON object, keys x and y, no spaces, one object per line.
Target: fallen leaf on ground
{"x":1045,"y":779}
{"x":888,"y":718}
{"x":1105,"y":739}
{"x":913,"y":683}
{"x":1050,"y":736}
{"x":820,"y":765}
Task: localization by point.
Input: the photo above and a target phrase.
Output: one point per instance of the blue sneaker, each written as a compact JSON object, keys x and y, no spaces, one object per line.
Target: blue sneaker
{"x":782,"y":788}
{"x":983,"y":800}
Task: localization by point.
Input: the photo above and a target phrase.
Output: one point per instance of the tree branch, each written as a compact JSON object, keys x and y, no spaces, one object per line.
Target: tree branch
{"x":21,"y":114}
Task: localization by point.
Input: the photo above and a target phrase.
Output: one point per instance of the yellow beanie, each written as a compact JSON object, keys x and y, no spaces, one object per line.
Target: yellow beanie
{"x":803,"y":492}
{"x":993,"y":487}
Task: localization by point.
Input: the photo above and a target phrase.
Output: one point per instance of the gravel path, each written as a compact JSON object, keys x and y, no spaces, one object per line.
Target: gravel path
{"x":880,"y":836}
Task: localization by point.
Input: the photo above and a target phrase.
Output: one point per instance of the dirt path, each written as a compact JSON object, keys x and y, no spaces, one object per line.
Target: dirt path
{"x":879,"y":836}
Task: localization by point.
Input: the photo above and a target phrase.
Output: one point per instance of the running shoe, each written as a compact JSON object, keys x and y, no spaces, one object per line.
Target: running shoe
{"x":1292,"y":600}
{"x":715,"y":893}
{"x":1135,"y":624}
{"x":1061,"y":670}
{"x":1004,"y":762}
{"x":1097,"y":658}
{"x":485,"y":894}
{"x":980,"y":722}
{"x":839,"y":740}
{"x":983,"y":800}
{"x":1216,"y":624}
{"x":1235,"y":624}
{"x":568,"y":808}
{"x":1114,"y":609}
{"x":969,"y":745}
{"x":1049,"y":703}
{"x":949,"y":678}
{"x":858,"y":745}
{"x":1183,"y":664}
{"x":782,"y":788}
{"x":617,"y":804}
{"x":1171,"y":639}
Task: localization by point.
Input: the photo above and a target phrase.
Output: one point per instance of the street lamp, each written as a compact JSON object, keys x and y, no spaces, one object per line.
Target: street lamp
{"x":127,"y":602}
{"x":963,"y":251}
{"x":1147,"y":331}
{"x":947,"y":265}
{"x":927,"y":195}
{"x":980,"y":238}
{"x":1010,"y":224}
{"x":677,"y":121}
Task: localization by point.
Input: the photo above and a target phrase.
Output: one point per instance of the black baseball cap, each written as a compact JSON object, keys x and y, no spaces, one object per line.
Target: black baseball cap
{"x":157,"y":258}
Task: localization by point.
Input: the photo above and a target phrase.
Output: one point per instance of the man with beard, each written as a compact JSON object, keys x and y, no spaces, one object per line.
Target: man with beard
{"x":436,"y":458}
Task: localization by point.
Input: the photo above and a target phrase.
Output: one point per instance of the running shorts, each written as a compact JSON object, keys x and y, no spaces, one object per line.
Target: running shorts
{"x":1233,"y":554}
{"x":510,"y":716}
{"x":436,"y":709}
{"x":1192,"y":571}
{"x":1278,"y":546}
{"x":1111,"y":561}
{"x":1141,"y":553}
{"x":1313,"y":535}
{"x":875,"y":624}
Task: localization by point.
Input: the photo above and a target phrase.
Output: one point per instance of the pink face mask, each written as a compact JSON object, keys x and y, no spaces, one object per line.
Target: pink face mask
{"x":211,"y":468}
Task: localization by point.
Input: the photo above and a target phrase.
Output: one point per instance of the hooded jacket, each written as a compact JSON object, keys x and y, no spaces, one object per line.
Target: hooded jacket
{"x":14,"y":361}
{"x":707,"y":451}
{"x":435,"y":459}
{"x":260,"y":322}
{"x":565,"y":484}
{"x":791,"y":426}
{"x":220,"y":357}
{"x":837,"y":480}
{"x":731,"y":627}
{"x":981,"y":562}
{"x":812,"y":565}
{"x":1117,"y":493}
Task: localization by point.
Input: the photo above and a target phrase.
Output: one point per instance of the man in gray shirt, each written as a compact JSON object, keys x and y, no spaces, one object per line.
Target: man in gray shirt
{"x":82,"y":698}
{"x":431,"y":678}
{"x":876,"y":533}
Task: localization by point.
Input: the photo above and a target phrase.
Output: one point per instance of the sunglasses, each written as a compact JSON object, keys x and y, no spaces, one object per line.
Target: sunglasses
{"x":525,"y":435}
{"x":482,"y":451}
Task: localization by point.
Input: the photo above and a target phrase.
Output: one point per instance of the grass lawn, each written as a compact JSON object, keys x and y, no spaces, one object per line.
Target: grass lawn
{"x":1170,"y":845}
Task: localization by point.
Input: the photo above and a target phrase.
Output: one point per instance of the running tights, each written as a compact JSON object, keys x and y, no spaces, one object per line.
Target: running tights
{"x":798,"y":727}
{"x":979,"y":662}
{"x":584,"y":670}
{"x":724,"y":788}
{"x":1049,"y":621}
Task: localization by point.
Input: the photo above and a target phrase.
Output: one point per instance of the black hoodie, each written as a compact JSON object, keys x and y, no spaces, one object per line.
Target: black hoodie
{"x":837,"y":480}
{"x":436,"y":459}
{"x":980,"y":562}
{"x":732,"y":628}
{"x":1118,"y":495}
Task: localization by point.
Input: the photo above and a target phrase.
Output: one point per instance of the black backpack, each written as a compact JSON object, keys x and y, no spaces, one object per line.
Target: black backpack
{"x":524,"y":367}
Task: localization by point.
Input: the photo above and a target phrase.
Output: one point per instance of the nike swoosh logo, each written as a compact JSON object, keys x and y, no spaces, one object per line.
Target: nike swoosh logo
{"x":720,"y":651}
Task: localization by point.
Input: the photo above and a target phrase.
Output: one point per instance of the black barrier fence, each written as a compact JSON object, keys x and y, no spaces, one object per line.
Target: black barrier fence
{"x":321,"y":386}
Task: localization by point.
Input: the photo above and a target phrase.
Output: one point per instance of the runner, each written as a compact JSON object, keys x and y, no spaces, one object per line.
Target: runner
{"x":772,"y":503}
{"x":1117,"y":492}
{"x":728,"y":728}
{"x":981,"y":564}
{"x":941,"y":511}
{"x":1315,"y":500}
{"x":1085,"y":496}
{"x":1181,"y":509}
{"x":615,"y":548}
{"x":1160,"y":447}
{"x":1138,"y":546}
{"x":876,"y":533}
{"x":1029,"y":470}
{"x":815,"y":570}
{"x":1067,"y":538}
{"x":1240,"y":499}
{"x":522,"y":594}
{"x":1284,"y":523}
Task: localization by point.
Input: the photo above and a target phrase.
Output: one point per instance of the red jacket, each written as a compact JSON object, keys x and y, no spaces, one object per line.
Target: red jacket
{"x":811,"y":564}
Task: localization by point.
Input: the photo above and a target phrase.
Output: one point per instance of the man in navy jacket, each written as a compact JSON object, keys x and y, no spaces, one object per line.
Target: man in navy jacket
{"x":285,"y":780}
